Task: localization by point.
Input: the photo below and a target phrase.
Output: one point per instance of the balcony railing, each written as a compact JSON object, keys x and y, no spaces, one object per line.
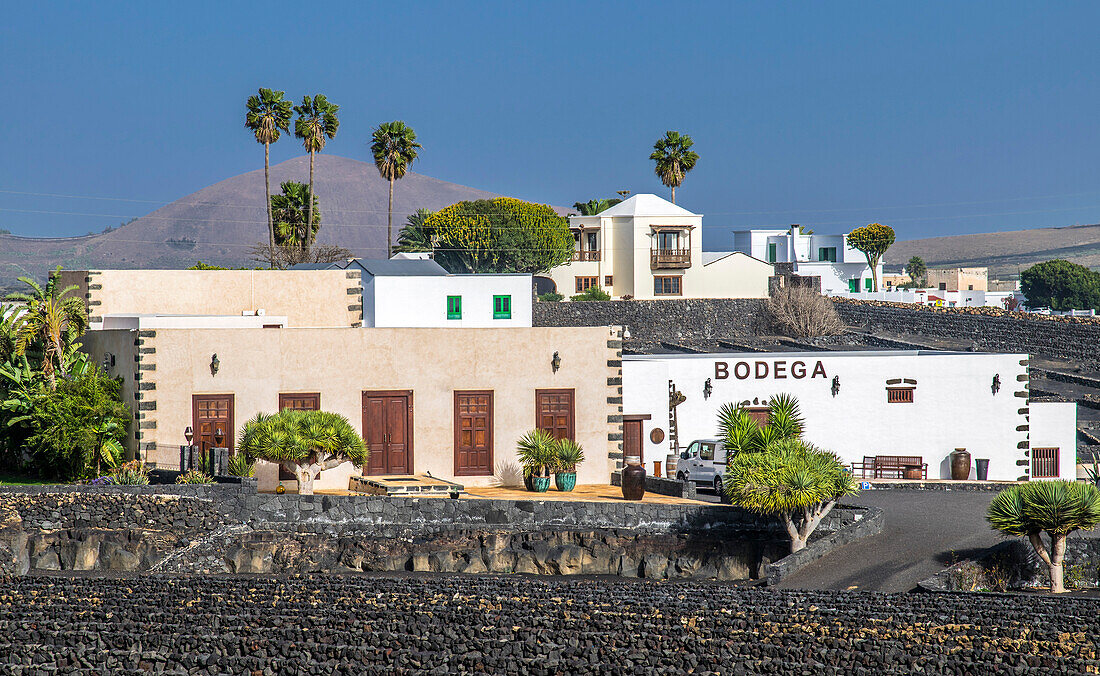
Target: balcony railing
{"x":670,"y":258}
{"x":586,"y":256}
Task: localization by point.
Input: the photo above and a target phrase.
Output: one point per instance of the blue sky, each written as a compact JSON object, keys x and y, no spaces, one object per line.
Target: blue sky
{"x":935,"y":118}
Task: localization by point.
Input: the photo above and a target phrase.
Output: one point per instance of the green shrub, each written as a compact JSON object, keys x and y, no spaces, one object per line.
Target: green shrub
{"x":195,"y":477}
{"x":241,"y":465}
{"x":592,"y":293}
{"x":303,"y":442}
{"x":551,"y":297}
{"x":132,"y":473}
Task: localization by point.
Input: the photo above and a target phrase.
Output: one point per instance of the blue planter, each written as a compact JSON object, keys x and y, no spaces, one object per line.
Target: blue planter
{"x":541,"y":483}
{"x":565,"y":481}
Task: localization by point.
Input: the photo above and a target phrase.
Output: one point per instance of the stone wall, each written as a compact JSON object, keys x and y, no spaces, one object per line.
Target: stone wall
{"x":657,"y":320}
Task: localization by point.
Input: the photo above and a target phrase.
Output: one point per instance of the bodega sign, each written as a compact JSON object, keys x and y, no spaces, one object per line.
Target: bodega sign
{"x":778,"y":369}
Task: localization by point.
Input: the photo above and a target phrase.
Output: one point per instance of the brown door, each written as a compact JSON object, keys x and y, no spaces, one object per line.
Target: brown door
{"x":212,"y":420}
{"x":554,"y":413}
{"x":474,"y":433}
{"x":632,"y":438}
{"x":387,"y":421}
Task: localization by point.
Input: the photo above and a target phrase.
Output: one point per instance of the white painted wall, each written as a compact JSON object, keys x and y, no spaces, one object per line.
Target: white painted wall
{"x":397,"y":301}
{"x":954,"y":406}
{"x":923,"y":297}
{"x":1053,"y":424}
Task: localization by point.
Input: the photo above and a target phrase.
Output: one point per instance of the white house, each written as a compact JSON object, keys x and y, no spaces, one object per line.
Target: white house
{"x":418,"y":292}
{"x":840,"y":267}
{"x":857,"y":404}
{"x":649,"y":248}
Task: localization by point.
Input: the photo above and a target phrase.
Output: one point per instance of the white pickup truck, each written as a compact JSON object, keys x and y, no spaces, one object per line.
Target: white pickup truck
{"x":704,"y":462}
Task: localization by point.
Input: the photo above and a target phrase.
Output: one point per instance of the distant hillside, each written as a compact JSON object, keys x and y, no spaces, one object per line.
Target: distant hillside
{"x":1004,"y":253}
{"x":219,"y":223}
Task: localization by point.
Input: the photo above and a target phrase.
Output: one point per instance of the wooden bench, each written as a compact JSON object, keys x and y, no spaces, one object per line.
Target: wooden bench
{"x":891,"y":466}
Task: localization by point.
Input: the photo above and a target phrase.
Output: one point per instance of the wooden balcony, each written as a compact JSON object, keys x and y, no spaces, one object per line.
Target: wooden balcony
{"x":670,"y":258}
{"x":585,"y":256}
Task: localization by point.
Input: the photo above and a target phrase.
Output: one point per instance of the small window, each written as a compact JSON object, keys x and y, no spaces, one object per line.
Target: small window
{"x":667,"y":286}
{"x":502,"y":307}
{"x":586,"y":283}
{"x":706,"y":452}
{"x":899,"y":395}
{"x":827,"y":253}
{"x":454,"y":307}
{"x":607,"y":280}
{"x":853,"y":286}
{"x":943,"y":286}
{"x":969,"y":287}
{"x":1044,"y":463}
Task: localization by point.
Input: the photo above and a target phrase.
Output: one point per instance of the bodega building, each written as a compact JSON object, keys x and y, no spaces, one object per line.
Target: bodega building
{"x":860,"y":404}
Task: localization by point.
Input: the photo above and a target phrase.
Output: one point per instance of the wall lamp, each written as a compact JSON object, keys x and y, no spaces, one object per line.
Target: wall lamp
{"x":707,"y":389}
{"x":626,"y":333}
{"x":555,"y":363}
{"x":215,"y":364}
{"x":996,"y":386}
{"x":836,"y":385}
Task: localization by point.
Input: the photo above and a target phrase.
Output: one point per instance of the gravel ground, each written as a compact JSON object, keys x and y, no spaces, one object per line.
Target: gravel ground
{"x":520,"y":625}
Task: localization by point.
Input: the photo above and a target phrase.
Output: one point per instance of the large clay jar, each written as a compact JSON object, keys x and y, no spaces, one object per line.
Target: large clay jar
{"x":960,"y":464}
{"x":633,"y":479}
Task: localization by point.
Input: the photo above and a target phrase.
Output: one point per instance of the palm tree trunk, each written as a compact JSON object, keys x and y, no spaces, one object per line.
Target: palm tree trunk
{"x":267,"y":200}
{"x":389,"y":224}
{"x":674,"y":194}
{"x":309,"y":210}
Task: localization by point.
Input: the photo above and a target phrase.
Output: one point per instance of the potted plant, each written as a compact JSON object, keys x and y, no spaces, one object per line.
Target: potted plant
{"x":568,"y":454}
{"x":536,"y":453}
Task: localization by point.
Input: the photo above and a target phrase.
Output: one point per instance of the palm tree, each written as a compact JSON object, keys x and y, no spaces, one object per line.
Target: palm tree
{"x":1057,"y":507}
{"x":674,"y":159}
{"x":268,"y":115}
{"x":415,"y":235}
{"x":317,"y":121}
{"x":50,"y":318}
{"x":394,"y":147}
{"x":593,"y":207}
{"x":291,"y":211}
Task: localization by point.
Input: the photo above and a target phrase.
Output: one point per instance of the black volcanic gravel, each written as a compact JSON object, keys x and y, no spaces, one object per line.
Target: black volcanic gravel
{"x":521,"y":625}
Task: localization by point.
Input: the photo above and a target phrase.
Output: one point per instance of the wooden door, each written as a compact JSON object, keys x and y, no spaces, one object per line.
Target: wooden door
{"x":632,"y":438}
{"x":554,"y":413}
{"x":387,"y":423}
{"x":211,"y":419}
{"x":474,"y":433}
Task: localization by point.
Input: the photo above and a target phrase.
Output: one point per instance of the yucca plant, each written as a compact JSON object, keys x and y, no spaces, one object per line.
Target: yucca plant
{"x":567,"y":455}
{"x":1055,"y":507}
{"x":241,"y":465}
{"x":194,"y":476}
{"x":792,"y":480}
{"x":536,"y":453}
{"x":740,"y":433}
{"x":303,"y":442}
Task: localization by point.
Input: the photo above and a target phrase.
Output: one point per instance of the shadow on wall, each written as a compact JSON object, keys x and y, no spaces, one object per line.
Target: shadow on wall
{"x":508,"y":474}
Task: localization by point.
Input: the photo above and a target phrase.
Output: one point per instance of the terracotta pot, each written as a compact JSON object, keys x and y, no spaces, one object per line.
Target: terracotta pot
{"x":960,"y":465}
{"x":634,"y":482}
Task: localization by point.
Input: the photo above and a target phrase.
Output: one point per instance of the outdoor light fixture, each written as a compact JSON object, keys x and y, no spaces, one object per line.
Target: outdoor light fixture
{"x":215,"y":364}
{"x":555,"y":363}
{"x":626,"y":333}
{"x":219,"y":436}
{"x":996,"y":387}
{"x":836,"y":385}
{"x":108,"y":361}
{"x":707,"y":389}
{"x":188,"y":434}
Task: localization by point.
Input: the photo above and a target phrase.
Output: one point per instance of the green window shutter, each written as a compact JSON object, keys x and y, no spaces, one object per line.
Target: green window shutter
{"x":502,"y":307}
{"x":868,"y":284}
{"x":771,"y":252}
{"x":454,"y":307}
{"x":853,"y":285}
{"x":822,"y":254}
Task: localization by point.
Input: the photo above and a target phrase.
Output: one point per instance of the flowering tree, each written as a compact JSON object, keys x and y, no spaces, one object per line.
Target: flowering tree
{"x":873,"y":240}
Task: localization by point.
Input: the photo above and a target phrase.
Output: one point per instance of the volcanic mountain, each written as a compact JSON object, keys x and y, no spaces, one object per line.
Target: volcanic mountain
{"x":220,"y":223}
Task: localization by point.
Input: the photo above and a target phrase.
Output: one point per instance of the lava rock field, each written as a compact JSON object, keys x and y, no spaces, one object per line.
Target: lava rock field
{"x":405,"y":624}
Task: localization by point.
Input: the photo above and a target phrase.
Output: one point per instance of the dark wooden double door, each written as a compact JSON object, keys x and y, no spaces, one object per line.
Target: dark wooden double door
{"x":387,"y":422}
{"x":212,"y":418}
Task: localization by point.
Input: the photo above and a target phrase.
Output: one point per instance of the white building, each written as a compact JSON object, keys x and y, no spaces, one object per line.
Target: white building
{"x":858,"y":404}
{"x":418,"y":292}
{"x":649,"y":248}
{"x":840,"y":267}
{"x":938,"y":298}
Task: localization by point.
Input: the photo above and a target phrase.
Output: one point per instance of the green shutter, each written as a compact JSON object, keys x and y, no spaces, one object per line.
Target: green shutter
{"x":502,"y":307}
{"x":771,"y":252}
{"x":853,"y":285}
{"x":868,"y":284}
{"x":454,"y":307}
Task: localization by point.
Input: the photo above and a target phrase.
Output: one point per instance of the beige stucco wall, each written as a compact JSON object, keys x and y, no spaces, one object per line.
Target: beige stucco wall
{"x":123,"y":345}
{"x":736,"y":276}
{"x":959,"y":279}
{"x":257,"y":364}
{"x":308,"y":298}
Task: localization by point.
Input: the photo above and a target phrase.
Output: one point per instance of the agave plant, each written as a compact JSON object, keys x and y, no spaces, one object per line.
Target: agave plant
{"x":241,"y":465}
{"x":132,"y":473}
{"x":1055,"y":507}
{"x":303,"y":442}
{"x":536,"y":451}
{"x":194,"y":476}
{"x":567,"y":455}
{"x":740,"y":433}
